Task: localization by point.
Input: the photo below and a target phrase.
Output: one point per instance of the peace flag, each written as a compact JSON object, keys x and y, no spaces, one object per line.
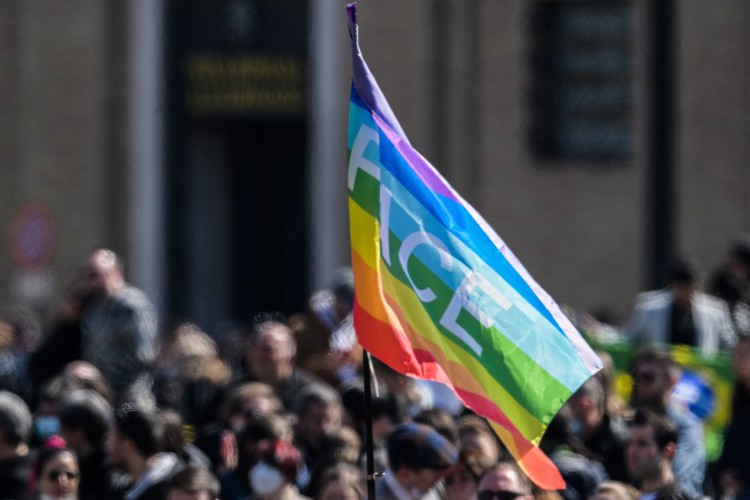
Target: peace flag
{"x":439,"y":296}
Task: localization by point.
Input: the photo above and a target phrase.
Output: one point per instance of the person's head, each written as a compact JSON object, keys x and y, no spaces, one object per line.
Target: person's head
{"x":318,"y":410}
{"x":173,"y":440}
{"x":474,"y":433}
{"x":136,"y":436}
{"x":103,"y":273}
{"x":276,"y":465}
{"x":84,"y":421}
{"x":504,"y":481}
{"x":86,"y":376}
{"x":683,"y":282}
{"x":615,"y":490}
{"x":441,"y":421}
{"x":259,"y":428}
{"x":341,"y":482}
{"x":193,"y":483}
{"x":245,"y":400}
{"x":586,"y":408}
{"x":57,"y":472}
{"x":739,"y":258}
{"x":462,"y":481}
{"x":15,"y":422}
{"x":654,"y":374}
{"x":271,"y":352}
{"x":651,"y":445}
{"x":419,"y":456}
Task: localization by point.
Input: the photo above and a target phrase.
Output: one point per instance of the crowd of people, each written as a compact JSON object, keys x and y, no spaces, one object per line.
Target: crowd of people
{"x":108,"y":404}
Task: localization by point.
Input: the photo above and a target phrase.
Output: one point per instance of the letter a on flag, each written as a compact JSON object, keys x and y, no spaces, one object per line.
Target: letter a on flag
{"x":439,"y":296}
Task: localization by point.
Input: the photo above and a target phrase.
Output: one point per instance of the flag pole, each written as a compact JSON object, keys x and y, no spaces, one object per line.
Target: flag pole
{"x":369,"y":446}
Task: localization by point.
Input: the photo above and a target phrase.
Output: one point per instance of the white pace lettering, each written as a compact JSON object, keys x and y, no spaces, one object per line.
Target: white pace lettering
{"x":357,"y":160}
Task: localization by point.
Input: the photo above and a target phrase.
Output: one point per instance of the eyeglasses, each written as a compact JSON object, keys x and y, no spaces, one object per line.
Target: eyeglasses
{"x":498,"y":495}
{"x":54,"y":475}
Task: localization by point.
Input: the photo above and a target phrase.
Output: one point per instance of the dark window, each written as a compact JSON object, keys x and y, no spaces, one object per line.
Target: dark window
{"x":581,"y":96}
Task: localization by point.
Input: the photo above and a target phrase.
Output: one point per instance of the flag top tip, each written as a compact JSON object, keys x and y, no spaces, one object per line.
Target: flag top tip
{"x":351,"y":9}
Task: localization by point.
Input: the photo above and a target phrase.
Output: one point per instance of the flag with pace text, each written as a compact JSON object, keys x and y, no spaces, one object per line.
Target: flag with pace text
{"x":439,"y":296}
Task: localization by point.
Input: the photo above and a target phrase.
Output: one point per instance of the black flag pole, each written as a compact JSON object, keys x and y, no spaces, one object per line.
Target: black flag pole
{"x":369,"y":446}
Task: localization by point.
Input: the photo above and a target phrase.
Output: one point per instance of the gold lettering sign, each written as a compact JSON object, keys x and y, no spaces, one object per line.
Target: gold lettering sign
{"x":247,"y":84}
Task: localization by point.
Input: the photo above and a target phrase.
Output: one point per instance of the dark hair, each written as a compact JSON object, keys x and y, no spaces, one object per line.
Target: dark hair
{"x":441,"y":421}
{"x":195,"y":479}
{"x":47,"y":454}
{"x":657,"y":356}
{"x":665,"y":431}
{"x":347,"y":473}
{"x":682,"y":272}
{"x":173,"y":440}
{"x":280,"y":454}
{"x":87,"y":410}
{"x":144,"y":429}
{"x":316,"y":394}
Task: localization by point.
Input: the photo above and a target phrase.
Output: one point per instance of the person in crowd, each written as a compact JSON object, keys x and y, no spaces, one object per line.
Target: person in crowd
{"x":57,"y":473}
{"x":739,"y":262}
{"x":462,"y":481}
{"x":475,"y":434}
{"x":15,"y":431}
{"x":84,"y":422}
{"x":87,"y":376}
{"x":614,"y":404}
{"x":340,"y":446}
{"x":235,"y":482}
{"x":190,"y":376}
{"x":441,"y":421}
{"x":135,"y":446}
{"x":732,"y":289}
{"x":582,"y":475}
{"x":650,"y":451}
{"x":318,"y":412}
{"x":681,"y":314}
{"x":654,"y":374}
{"x":19,"y":335}
{"x":734,"y":462}
{"x":603,"y":435}
{"x":63,"y":342}
{"x":326,"y":342}
{"x":193,"y":483}
{"x":119,"y":330}
{"x":505,"y":480}
{"x":386,"y":412}
{"x":271,"y":360}
{"x":275,"y":469}
{"x":342,"y":482}
{"x":174,"y":440}
{"x":412,"y":396}
{"x":615,"y":490}
{"x":240,"y":404}
{"x":418,"y":457}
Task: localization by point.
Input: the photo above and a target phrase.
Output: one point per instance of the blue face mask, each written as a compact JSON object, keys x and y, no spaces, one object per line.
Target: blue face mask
{"x":46,"y":426}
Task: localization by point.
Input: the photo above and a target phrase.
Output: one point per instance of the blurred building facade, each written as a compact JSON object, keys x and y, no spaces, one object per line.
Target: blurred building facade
{"x":205,"y":140}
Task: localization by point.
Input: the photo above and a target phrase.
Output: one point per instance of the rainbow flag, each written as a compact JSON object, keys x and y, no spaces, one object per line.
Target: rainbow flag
{"x":439,"y":296}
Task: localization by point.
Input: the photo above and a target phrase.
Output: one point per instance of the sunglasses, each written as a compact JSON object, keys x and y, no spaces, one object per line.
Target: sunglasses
{"x":54,"y":475}
{"x":498,"y":494}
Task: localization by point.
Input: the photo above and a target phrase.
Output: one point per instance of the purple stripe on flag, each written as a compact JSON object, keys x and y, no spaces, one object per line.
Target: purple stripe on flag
{"x":426,"y":172}
{"x":365,"y":83}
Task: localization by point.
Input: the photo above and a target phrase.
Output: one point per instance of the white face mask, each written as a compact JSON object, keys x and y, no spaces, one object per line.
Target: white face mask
{"x":265,"y":480}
